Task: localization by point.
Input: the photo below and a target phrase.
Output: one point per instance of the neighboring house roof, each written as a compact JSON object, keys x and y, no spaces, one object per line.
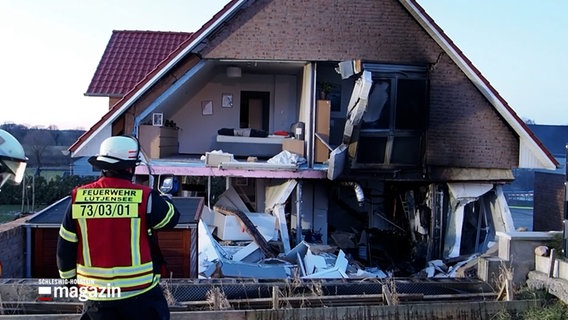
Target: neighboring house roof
{"x":554,"y":137}
{"x":104,"y":124}
{"x":129,"y":57}
{"x":532,"y":153}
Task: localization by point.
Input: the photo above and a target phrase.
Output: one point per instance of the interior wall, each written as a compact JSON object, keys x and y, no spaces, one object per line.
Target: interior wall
{"x":197,"y":132}
{"x":286,"y":103}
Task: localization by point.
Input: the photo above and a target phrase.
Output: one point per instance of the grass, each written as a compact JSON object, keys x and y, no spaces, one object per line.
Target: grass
{"x":552,"y":310}
{"x":9,"y":212}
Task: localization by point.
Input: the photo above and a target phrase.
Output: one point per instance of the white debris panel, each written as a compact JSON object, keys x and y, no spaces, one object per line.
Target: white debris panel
{"x":234,"y":242}
{"x":245,"y":257}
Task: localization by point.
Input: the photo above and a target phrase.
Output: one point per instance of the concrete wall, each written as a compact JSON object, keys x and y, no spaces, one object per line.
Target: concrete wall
{"x":517,"y":250}
{"x":12,"y":248}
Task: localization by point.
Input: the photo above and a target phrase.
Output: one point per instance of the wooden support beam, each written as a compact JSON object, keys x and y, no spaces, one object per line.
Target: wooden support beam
{"x":388,"y":296}
{"x":250,"y":228}
{"x":275,"y":298}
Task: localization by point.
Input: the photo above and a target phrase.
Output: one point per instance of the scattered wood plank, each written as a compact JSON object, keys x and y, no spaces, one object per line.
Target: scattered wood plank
{"x":387,"y":295}
{"x":250,"y":228}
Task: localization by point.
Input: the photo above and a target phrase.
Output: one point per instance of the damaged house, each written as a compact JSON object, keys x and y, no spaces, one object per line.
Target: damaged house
{"x":357,"y":125}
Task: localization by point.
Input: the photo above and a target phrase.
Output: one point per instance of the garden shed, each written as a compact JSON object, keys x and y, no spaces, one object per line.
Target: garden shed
{"x":179,"y":245}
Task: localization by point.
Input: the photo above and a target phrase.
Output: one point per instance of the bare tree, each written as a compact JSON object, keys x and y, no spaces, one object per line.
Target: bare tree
{"x":17,"y":130}
{"x":38,"y":140}
{"x":55,"y":132}
{"x":528,"y":121}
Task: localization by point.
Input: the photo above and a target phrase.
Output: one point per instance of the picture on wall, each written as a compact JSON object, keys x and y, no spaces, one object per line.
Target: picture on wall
{"x":207,"y":107}
{"x":157,"y":119}
{"x":227,"y":100}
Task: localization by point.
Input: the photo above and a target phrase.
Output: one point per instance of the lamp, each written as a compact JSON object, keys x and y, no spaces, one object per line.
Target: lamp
{"x":234,"y":72}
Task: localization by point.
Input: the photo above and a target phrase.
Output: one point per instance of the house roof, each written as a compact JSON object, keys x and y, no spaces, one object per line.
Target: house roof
{"x":532,"y":152}
{"x":554,"y":137}
{"x":103,"y":125}
{"x":129,"y":57}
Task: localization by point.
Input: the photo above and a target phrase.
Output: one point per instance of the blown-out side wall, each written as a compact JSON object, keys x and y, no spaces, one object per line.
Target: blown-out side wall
{"x":464,"y":130}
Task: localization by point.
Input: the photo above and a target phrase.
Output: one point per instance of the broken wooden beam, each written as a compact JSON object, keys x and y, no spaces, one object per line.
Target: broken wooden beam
{"x":250,"y":228}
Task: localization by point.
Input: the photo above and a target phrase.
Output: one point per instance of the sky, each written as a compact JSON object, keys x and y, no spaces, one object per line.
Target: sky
{"x":50,"y":51}
{"x":520,"y":46}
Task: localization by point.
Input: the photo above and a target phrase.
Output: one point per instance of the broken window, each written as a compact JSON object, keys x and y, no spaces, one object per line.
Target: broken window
{"x":395,"y":118}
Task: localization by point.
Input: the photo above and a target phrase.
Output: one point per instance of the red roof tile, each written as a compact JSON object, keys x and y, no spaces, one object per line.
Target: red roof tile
{"x":128,"y":57}
{"x":83,"y":138}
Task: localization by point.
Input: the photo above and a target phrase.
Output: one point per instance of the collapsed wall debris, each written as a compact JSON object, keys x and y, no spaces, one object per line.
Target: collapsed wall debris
{"x":235,"y":242}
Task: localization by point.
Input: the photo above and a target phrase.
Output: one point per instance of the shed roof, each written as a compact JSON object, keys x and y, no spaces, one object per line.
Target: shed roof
{"x":52,"y":216}
{"x":129,"y":56}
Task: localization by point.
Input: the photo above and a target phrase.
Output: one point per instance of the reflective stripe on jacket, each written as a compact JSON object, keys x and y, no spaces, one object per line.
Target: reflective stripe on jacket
{"x":113,"y":249}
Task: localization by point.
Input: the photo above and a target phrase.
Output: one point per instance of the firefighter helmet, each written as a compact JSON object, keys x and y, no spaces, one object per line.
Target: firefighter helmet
{"x":13,"y":159}
{"x":117,"y":153}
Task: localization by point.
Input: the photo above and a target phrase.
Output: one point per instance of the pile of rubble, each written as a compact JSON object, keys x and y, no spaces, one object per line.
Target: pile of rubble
{"x":236,"y":243}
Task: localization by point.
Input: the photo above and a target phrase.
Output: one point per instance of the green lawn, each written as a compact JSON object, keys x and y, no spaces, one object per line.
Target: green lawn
{"x":9,"y":212}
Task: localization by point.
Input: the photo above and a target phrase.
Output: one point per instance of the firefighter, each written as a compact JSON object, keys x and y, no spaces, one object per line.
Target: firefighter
{"x":13,"y":159}
{"x":105,"y":239}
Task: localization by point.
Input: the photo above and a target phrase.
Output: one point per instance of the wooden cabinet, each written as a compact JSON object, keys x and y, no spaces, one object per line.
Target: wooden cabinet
{"x":323,"y":113}
{"x":158,"y":142}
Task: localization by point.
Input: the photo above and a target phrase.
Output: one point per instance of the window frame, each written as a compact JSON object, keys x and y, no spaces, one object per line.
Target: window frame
{"x":390,"y":137}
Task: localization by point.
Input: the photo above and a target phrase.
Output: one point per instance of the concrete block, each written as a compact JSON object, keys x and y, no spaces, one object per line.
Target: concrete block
{"x":518,"y":248}
{"x":489,"y":269}
{"x":542,"y":264}
{"x":562,"y":268}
